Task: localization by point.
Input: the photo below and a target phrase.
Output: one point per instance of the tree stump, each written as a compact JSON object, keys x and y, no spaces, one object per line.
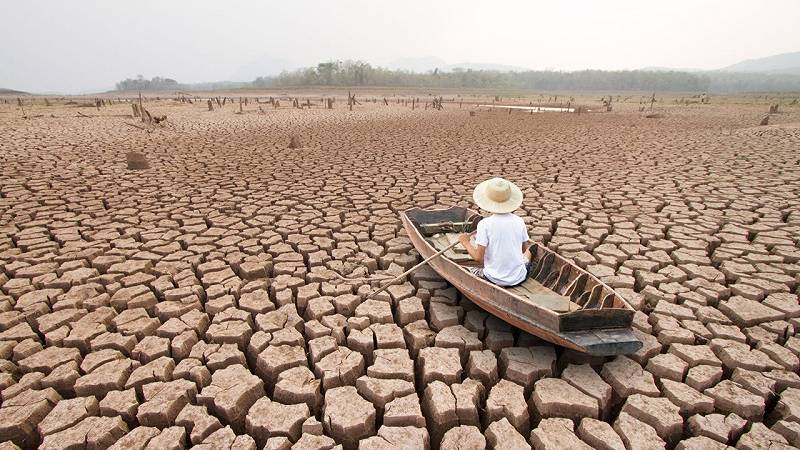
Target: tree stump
{"x":765,"y":120}
{"x":351,"y":100}
{"x":210,"y":105}
{"x":140,"y":107}
{"x":294,"y":142}
{"x":137,"y":161}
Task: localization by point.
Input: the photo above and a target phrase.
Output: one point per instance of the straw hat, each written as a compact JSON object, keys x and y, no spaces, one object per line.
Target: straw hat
{"x":498,"y":196}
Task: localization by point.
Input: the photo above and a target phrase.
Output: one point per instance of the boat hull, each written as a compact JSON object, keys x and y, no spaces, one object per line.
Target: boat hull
{"x":506,"y":306}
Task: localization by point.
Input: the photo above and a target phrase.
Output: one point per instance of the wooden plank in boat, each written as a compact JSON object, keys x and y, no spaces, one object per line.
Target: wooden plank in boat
{"x":553,"y":302}
{"x":451,"y":237}
{"x":544,"y":297}
{"x":440,"y":241}
{"x":534,"y":287}
{"x":435,"y":241}
{"x":459,"y":258}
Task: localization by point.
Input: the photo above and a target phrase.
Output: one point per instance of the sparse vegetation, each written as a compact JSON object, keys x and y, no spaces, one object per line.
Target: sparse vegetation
{"x":142,"y":84}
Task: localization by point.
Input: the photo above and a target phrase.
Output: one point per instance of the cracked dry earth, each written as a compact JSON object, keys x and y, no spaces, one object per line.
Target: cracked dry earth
{"x":193,"y":303}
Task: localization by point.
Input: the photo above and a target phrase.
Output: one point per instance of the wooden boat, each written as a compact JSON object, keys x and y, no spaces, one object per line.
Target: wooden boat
{"x":559,"y":302}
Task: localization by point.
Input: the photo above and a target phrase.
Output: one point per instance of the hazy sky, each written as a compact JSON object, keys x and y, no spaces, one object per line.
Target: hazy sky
{"x":78,"y":46}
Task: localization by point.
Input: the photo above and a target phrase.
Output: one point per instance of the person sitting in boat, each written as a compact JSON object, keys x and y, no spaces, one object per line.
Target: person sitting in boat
{"x":501,"y":240}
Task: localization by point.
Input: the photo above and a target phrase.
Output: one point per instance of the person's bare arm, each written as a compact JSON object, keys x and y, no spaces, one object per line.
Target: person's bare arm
{"x":476,"y":252}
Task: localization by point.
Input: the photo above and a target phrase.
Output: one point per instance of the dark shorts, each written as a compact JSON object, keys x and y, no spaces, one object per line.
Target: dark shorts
{"x":479,"y":272}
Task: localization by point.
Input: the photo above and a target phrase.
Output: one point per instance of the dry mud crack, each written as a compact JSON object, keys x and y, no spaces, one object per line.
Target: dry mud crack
{"x":194,"y":302}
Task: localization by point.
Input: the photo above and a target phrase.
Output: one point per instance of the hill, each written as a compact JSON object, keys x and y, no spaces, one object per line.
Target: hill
{"x":4,"y":91}
{"x":785,"y":63}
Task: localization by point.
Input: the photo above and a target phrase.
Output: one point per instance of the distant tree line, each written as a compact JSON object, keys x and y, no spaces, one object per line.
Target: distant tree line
{"x":359,"y":73}
{"x":166,"y":84}
{"x":140,"y":83}
{"x":753,"y":82}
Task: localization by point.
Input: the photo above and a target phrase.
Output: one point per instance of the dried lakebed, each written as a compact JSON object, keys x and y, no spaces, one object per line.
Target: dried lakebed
{"x":193,"y":303}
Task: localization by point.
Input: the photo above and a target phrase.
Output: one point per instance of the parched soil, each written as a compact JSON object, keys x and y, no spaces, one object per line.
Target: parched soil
{"x":193,"y":302}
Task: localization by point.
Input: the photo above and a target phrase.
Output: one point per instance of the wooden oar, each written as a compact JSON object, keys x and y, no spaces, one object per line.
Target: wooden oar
{"x":397,"y":278}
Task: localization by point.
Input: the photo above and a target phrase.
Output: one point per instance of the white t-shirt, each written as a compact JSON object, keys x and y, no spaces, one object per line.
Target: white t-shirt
{"x":503,"y":235}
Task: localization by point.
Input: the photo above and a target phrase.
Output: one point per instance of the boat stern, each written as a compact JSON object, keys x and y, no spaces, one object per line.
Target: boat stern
{"x":607,"y":342}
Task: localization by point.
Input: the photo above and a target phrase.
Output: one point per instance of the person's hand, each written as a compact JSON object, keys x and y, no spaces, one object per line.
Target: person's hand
{"x":464,"y":238}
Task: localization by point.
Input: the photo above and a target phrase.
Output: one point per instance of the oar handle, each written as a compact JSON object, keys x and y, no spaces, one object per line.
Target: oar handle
{"x":395,"y":279}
